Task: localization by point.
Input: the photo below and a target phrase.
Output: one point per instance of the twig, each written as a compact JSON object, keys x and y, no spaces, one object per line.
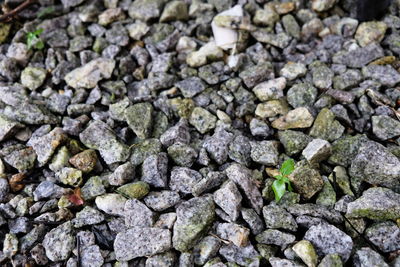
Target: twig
{"x":15,"y":11}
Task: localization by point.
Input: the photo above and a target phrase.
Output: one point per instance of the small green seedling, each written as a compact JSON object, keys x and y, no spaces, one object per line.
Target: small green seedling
{"x":33,"y":40}
{"x":279,"y":185}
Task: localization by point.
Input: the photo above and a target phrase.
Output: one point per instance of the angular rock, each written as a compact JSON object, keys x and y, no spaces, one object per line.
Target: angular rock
{"x":47,"y":144}
{"x":229,"y":199}
{"x":275,"y":237}
{"x":384,"y":235}
{"x":242,"y":177}
{"x":139,"y":118}
{"x":32,"y":77}
{"x":293,"y":70}
{"x":376,"y":203}
{"x":264,"y":152}
{"x":368,"y":257}
{"x":305,"y":250}
{"x":179,"y":133}
{"x":384,"y":127}
{"x":162,"y":200}
{"x":327,"y":239}
{"x":270,"y":90}
{"x":90,"y":74}
{"x":206,"y":249}
{"x":87,"y":216}
{"x":369,"y":32}
{"x":123,"y":173}
{"x":154,"y":170}
{"x":184,"y":179}
{"x":137,"y":214}
{"x":235,"y":233}
{"x":326,"y":127}
{"x":194,"y":217}
{"x":375,"y":164}
{"x":276,"y":217}
{"x":359,"y":57}
{"x":191,"y":86}
{"x":302,"y":95}
{"x":218,"y":144}
{"x":100,"y":136}
{"x":296,"y":118}
{"x":306,"y":180}
{"x":317,"y":150}
{"x":141,"y":241}
{"x":59,"y":242}
{"x":202,"y":120}
{"x":111,"y":204}
{"x":136,"y":190}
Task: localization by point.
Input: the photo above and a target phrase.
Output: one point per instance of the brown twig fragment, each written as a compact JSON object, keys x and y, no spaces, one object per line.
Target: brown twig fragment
{"x":9,"y":15}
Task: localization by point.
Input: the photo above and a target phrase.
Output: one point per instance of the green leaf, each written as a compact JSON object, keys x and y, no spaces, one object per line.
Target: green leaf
{"x":39,"y":44}
{"x":30,"y":39}
{"x":279,"y":188}
{"x":287,"y":167}
{"x":38,"y":32}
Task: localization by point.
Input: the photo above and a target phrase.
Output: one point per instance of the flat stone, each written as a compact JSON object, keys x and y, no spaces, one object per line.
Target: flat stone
{"x":145,"y":10}
{"x":384,"y":74}
{"x":141,"y":241}
{"x":136,"y":190}
{"x":359,"y":57}
{"x":327,"y":239}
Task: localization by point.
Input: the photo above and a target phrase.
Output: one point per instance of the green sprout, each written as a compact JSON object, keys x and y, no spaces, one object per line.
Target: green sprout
{"x":279,"y":185}
{"x":33,"y":40}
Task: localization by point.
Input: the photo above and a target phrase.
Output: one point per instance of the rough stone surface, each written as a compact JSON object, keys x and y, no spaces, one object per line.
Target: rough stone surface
{"x":141,"y":241}
{"x":327,"y":239}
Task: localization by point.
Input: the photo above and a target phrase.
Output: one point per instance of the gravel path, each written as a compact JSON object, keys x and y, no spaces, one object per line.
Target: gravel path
{"x":149,"y":132}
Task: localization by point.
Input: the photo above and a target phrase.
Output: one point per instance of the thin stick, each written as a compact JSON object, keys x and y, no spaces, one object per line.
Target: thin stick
{"x":16,"y":10}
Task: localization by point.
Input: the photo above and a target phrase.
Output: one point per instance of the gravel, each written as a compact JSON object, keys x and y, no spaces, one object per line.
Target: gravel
{"x":150,"y":133}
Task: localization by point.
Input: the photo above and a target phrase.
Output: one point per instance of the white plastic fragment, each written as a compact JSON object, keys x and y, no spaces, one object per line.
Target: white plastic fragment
{"x":224,"y":37}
